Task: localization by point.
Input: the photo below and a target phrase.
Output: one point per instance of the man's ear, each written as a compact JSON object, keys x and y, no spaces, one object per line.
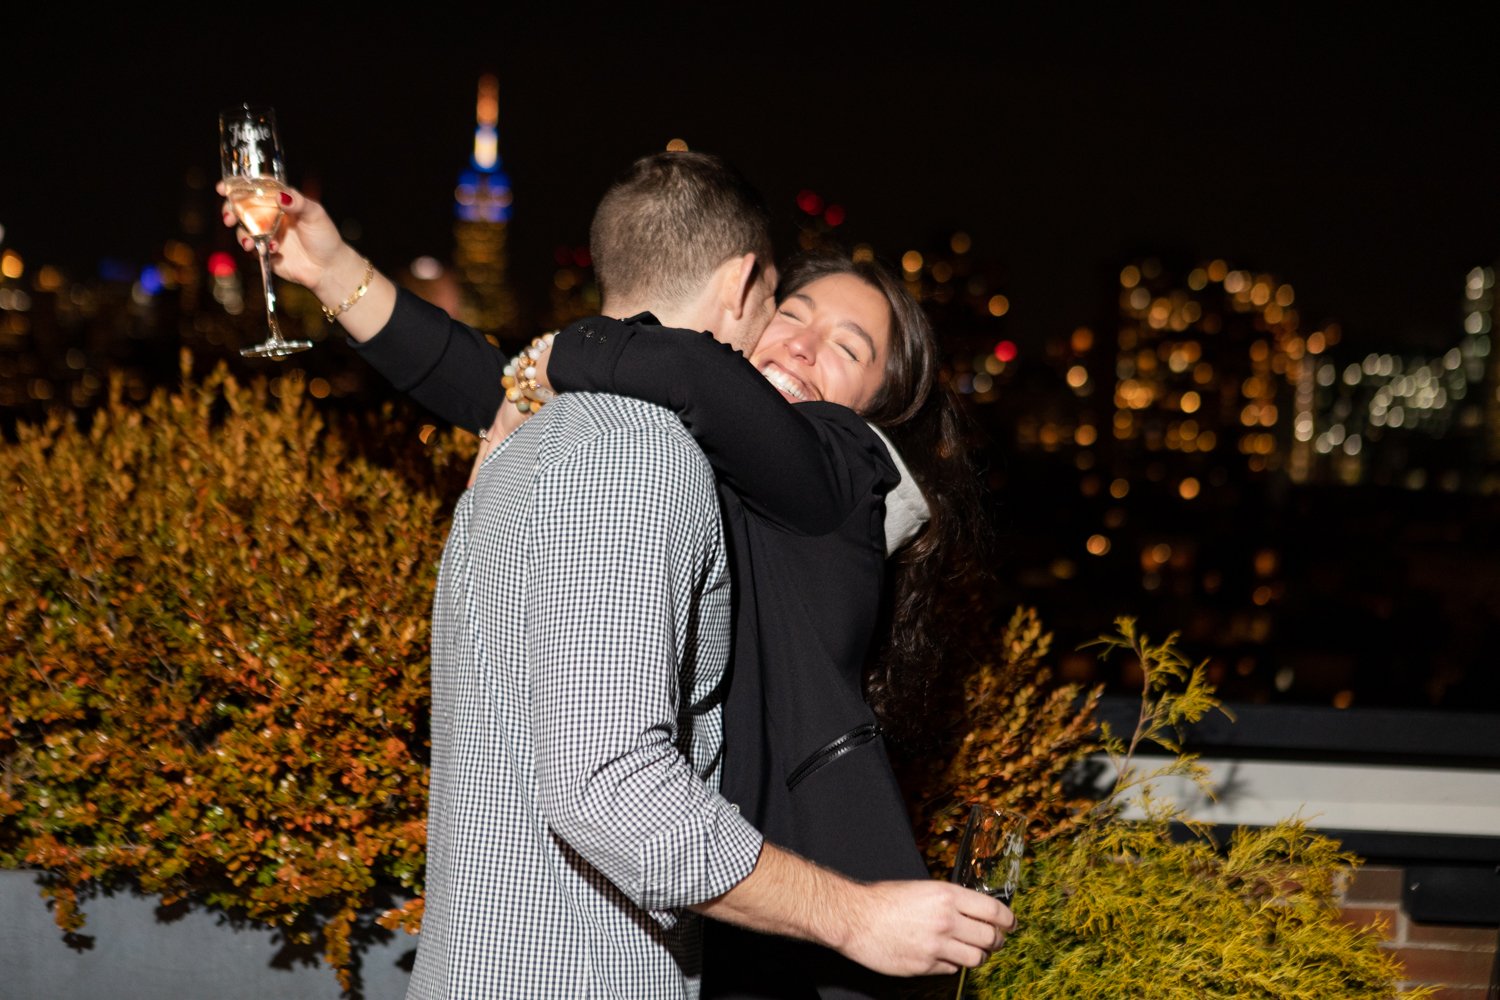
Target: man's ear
{"x":738,"y":278}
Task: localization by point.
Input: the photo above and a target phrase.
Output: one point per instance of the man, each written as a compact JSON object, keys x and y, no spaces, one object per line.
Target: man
{"x":581,"y":628}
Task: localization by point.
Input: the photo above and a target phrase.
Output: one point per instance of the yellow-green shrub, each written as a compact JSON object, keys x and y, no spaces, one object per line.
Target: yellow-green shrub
{"x":213,"y":673}
{"x":1125,"y":908}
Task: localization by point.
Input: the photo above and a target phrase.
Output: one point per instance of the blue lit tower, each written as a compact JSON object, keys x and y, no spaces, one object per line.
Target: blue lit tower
{"x":482,"y":206}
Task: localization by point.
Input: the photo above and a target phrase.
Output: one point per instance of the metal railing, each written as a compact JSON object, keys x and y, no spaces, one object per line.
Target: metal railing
{"x":1420,"y":789}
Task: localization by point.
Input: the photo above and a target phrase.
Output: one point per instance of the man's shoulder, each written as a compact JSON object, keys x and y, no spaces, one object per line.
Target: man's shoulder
{"x":598,"y":423}
{"x":622,"y":451}
{"x":602,"y":413}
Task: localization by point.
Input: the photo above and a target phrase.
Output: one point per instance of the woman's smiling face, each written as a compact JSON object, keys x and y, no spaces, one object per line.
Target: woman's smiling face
{"x":829,"y":340}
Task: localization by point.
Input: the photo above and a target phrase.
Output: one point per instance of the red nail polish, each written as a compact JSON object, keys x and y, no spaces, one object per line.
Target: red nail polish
{"x":286,"y":199}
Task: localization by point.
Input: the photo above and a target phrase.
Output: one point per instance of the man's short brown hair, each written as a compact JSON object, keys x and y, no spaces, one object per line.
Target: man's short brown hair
{"x":669,"y":221}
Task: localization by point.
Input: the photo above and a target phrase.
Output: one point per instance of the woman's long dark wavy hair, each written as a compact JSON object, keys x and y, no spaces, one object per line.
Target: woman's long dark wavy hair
{"x":908,"y":681}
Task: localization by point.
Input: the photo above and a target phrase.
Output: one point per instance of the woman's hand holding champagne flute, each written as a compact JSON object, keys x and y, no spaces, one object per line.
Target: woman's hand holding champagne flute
{"x":297,"y":241}
{"x":254,"y":181}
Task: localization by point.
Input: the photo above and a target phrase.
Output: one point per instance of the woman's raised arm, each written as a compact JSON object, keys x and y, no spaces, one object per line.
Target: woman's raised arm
{"x":446,"y":366}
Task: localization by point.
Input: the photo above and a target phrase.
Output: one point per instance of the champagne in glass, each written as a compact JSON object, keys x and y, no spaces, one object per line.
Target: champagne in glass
{"x":989,"y":857}
{"x":254,"y":178}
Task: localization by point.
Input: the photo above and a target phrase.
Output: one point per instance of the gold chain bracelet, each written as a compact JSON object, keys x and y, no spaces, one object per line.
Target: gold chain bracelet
{"x":359,"y":293}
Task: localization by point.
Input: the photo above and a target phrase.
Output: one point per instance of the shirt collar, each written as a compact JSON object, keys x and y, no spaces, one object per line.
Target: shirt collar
{"x":906,"y":509}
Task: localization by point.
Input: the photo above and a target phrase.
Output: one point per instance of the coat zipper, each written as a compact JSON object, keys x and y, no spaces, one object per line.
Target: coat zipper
{"x":833,"y":751}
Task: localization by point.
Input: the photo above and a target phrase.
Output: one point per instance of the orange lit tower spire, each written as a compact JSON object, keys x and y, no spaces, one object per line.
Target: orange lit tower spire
{"x":482,"y":206}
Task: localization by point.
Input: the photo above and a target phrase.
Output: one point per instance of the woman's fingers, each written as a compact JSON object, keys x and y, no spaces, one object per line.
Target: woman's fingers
{"x":507,"y":419}
{"x":292,"y":202}
{"x":486,"y":445}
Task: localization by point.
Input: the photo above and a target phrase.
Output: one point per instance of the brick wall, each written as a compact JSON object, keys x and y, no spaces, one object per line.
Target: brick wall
{"x":1459,"y":960}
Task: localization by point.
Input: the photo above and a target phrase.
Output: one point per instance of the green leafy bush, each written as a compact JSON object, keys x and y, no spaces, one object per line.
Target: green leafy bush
{"x":214,"y":666}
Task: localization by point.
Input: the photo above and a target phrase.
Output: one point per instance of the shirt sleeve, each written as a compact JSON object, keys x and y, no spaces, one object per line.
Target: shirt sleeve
{"x":448,"y":367}
{"x":626,"y":536}
{"x":803,"y":469}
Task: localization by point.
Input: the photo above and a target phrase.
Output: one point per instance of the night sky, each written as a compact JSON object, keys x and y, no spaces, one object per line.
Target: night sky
{"x":1358,"y":158}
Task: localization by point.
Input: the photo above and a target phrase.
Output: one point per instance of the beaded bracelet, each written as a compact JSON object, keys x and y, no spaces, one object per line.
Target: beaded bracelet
{"x":359,"y":293}
{"x":519,"y":379}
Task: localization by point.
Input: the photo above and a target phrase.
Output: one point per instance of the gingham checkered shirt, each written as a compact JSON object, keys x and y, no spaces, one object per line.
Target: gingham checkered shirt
{"x":580,"y":634}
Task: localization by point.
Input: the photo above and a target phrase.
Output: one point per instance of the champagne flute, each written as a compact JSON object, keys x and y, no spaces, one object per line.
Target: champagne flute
{"x":254,"y":179}
{"x":989,"y":857}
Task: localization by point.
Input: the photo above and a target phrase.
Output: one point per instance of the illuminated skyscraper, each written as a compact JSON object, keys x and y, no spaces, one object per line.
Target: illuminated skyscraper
{"x":1481,"y":364}
{"x":1212,"y":368}
{"x":483,"y":202}
{"x":1401,"y":419}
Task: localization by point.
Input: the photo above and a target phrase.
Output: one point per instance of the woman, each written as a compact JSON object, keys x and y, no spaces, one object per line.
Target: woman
{"x":831,"y":653}
{"x":845,"y":333}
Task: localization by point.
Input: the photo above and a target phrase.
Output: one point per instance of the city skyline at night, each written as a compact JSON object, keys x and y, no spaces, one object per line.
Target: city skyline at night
{"x":1355,"y":157}
{"x":1205,"y":396}
{"x":1181,"y":549}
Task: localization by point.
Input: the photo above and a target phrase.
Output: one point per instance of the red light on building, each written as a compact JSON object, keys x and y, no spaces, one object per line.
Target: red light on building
{"x":1005,"y":351}
{"x":834,"y":216}
{"x":810,"y":202}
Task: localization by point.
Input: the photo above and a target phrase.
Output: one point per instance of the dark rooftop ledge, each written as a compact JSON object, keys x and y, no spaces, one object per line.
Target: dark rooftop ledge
{"x":1355,"y":735}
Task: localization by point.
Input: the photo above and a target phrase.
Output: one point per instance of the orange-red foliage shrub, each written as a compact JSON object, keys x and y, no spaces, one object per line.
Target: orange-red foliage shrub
{"x":1022,"y":734}
{"x":213,"y":672}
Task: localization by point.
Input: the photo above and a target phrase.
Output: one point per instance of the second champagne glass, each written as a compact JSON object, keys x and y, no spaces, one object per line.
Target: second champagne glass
{"x":254,"y":178}
{"x":989,"y":856}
